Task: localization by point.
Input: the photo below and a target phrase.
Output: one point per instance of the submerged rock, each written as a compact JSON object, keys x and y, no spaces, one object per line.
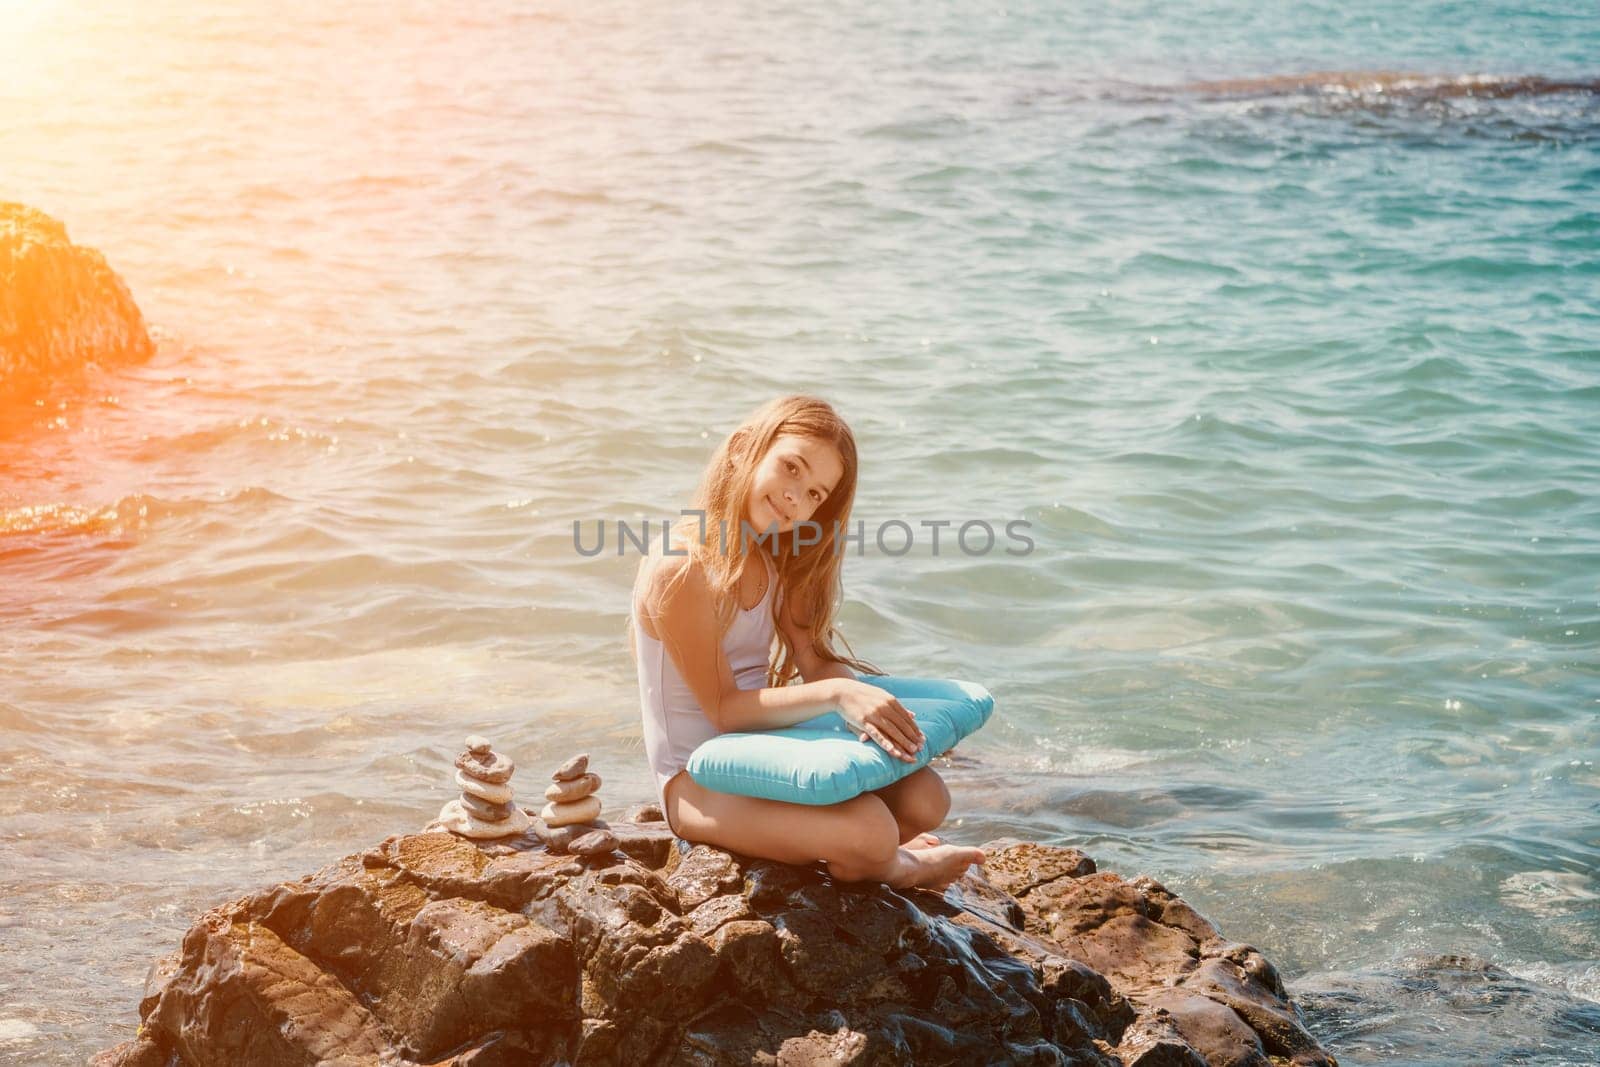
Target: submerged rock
{"x":62,"y":307}
{"x":430,"y":949}
{"x":1400,"y":84}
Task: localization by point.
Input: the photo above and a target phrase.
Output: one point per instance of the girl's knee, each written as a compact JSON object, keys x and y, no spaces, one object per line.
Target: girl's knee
{"x":929,"y":801}
{"x":941,"y":796}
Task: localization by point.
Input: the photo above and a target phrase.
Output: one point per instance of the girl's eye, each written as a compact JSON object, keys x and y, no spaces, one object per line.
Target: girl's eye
{"x":791,"y":466}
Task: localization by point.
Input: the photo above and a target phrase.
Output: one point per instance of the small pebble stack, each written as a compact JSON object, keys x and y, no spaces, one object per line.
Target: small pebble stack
{"x":571,"y":821}
{"x":485,"y":809}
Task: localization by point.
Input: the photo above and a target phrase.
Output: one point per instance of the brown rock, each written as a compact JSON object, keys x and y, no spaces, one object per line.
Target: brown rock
{"x":432,"y":949}
{"x":571,"y":769}
{"x":455,"y":819}
{"x":579,"y":811}
{"x":702,"y":872}
{"x":646,"y":812}
{"x":566,"y":792}
{"x":557,"y":838}
{"x":494,"y":794}
{"x":647,"y":843}
{"x":493,"y":768}
{"x":1023,"y":865}
{"x":750,"y":949}
{"x":482,"y":809}
{"x":593,"y":843}
{"x":479,"y":745}
{"x":62,"y":308}
{"x":719,"y":911}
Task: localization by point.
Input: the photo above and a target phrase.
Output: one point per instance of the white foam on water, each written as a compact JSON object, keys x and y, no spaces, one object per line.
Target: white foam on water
{"x":1548,"y":892}
{"x":17,"y":1030}
{"x":1581,"y":978}
{"x":1064,"y":758}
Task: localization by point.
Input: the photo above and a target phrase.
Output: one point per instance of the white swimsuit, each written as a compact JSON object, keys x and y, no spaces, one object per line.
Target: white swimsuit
{"x":674,"y":725}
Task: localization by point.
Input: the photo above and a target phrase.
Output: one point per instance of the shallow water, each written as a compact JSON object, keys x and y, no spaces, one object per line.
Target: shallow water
{"x":1296,"y":389}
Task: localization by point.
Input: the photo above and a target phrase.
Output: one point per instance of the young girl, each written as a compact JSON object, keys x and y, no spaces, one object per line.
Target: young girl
{"x":702,"y":627}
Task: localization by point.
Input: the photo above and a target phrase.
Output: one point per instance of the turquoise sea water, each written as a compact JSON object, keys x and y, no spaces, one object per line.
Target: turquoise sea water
{"x":1297,"y":388}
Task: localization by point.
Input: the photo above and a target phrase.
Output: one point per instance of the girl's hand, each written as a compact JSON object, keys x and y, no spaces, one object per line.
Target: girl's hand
{"x":875,"y":713}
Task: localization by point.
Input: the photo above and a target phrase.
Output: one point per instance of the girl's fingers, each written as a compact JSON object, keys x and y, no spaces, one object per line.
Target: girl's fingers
{"x":909,"y":735}
{"x":900,"y":743}
{"x":913,"y":732}
{"x":906,"y":750}
{"x":888,"y":745}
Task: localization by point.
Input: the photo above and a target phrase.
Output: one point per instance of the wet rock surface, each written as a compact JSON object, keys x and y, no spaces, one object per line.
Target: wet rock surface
{"x":432,"y":949}
{"x":1416,"y":85}
{"x":62,"y":308}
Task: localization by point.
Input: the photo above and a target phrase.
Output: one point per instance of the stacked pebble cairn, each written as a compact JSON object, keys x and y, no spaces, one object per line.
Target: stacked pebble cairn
{"x":571,"y":821}
{"x":484,"y":809}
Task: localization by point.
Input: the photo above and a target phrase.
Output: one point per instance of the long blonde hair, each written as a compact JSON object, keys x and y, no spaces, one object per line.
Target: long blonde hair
{"x":814,"y":572}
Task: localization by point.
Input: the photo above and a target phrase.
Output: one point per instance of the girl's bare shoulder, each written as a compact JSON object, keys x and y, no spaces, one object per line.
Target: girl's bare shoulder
{"x":660,"y":576}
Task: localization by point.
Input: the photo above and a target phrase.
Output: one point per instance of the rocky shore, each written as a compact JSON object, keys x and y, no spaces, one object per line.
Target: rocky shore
{"x":433,"y":949}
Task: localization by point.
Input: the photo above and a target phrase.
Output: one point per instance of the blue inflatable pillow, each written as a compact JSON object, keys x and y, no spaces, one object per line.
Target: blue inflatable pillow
{"x":823,"y":761}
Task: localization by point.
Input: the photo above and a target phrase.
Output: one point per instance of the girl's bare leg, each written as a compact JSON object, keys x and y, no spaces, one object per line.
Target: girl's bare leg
{"x":919,"y":803}
{"x":858,"y":839}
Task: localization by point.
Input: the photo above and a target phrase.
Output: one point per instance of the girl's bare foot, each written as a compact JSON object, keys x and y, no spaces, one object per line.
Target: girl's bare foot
{"x":922,"y":841}
{"x":936,"y":867}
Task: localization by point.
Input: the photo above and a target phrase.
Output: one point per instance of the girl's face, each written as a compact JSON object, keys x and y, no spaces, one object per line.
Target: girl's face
{"x":795,"y":476}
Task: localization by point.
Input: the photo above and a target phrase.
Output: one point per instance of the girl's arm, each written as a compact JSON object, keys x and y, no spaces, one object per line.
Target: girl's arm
{"x":686,"y":621}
